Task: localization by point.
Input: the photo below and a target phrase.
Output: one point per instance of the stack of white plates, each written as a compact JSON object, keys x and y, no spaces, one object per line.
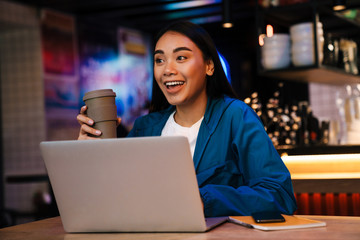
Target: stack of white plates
{"x":302,"y":48}
{"x":276,"y":51}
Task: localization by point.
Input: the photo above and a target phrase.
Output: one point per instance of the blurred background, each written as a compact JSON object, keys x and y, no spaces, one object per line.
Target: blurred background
{"x":52,"y":52}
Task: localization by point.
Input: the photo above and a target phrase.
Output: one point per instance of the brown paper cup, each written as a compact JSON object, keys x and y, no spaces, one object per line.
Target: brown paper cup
{"x":102,"y":109}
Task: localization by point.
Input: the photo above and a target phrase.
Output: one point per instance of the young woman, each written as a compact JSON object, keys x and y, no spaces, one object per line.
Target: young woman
{"x":238,"y":169}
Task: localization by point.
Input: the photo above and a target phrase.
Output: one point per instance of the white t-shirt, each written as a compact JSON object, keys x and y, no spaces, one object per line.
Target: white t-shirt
{"x":171,"y":128}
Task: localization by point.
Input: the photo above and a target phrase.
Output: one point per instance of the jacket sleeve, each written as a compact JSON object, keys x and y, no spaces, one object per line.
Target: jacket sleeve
{"x":251,"y":178}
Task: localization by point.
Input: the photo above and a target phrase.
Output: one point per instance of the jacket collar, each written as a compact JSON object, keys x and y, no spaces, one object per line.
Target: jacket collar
{"x":214,"y":111}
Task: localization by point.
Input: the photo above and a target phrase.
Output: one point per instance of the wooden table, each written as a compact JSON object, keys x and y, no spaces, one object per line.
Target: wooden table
{"x":337,"y":228}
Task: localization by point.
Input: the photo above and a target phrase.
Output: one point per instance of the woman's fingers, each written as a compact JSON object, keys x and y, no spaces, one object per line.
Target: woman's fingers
{"x":86,"y":131}
{"x":83,"y":109}
{"x":82,"y":118}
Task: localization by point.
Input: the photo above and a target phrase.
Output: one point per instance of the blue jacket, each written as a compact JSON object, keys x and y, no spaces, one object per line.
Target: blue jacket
{"x":238,"y":169}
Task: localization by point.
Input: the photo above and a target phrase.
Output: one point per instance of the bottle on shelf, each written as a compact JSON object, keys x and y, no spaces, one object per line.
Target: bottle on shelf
{"x":287,"y":125}
{"x":313,"y":127}
{"x":331,"y":51}
{"x":304,"y":132}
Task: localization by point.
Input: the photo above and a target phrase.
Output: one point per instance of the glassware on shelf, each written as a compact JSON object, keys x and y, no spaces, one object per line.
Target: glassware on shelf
{"x":348,"y":102}
{"x":348,"y":56}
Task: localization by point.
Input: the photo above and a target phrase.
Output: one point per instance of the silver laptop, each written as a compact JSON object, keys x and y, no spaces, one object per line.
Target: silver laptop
{"x":126,"y":185}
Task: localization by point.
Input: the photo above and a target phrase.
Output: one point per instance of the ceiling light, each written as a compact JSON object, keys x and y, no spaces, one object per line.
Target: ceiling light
{"x":227,"y":25}
{"x":339,"y":5}
{"x":226,"y":7}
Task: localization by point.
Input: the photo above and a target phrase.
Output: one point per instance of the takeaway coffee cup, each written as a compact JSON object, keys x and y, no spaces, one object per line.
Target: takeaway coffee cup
{"x":102,"y":109}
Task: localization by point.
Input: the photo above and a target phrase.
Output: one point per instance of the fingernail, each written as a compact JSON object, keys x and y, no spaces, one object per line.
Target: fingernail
{"x":98,"y":132}
{"x":91,"y":122}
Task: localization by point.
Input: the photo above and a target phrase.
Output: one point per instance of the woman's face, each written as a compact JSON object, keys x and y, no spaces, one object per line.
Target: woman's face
{"x":180,"y":69}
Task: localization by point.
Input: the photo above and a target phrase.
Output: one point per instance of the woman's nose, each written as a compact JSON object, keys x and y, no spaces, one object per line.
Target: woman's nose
{"x":170,"y":69}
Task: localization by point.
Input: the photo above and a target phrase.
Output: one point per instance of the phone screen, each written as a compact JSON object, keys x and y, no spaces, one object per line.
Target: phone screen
{"x":268,"y":217}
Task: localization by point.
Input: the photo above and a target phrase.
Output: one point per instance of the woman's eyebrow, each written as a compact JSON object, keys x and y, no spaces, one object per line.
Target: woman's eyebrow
{"x":182,"y":49}
{"x":174,"y":51}
{"x":158,"y":52}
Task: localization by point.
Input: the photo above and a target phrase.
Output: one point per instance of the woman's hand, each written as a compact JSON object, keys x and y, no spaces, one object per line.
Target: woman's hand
{"x":86,"y":131}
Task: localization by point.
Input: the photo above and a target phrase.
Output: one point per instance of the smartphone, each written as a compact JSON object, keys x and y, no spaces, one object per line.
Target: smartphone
{"x":268,"y":217}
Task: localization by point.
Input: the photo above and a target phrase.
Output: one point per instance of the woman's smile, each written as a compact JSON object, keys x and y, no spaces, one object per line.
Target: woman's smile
{"x":173,"y":87}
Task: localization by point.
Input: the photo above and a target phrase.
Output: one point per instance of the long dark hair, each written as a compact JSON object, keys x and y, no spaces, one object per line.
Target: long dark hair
{"x":217,"y":85}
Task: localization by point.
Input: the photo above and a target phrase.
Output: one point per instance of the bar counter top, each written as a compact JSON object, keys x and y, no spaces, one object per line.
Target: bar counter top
{"x":344,"y":228}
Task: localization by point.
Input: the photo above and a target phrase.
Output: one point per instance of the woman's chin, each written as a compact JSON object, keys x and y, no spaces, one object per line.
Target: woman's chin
{"x":174,"y":100}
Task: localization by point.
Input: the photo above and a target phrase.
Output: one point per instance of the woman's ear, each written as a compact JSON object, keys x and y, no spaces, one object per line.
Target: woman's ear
{"x":210,"y":67}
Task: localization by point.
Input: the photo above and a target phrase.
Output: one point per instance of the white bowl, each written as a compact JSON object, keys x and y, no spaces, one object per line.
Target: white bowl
{"x":302,"y":47}
{"x":308,"y":46}
{"x":275,"y":62}
{"x":302,"y":59}
{"x":275,"y":44}
{"x":302,"y":35}
{"x":306,"y":27}
{"x":307,"y":40}
{"x":279,"y":37}
{"x":275,"y":51}
{"x":308,"y":43}
{"x":277,"y":41}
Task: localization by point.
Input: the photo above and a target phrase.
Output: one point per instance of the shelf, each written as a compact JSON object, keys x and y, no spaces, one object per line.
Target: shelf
{"x":339,"y":17}
{"x":322,"y":74}
{"x":287,"y":15}
{"x":318,"y":149}
{"x":335,"y":23}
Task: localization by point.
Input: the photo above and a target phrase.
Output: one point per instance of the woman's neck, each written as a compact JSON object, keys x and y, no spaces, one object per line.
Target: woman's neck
{"x":188,"y":115}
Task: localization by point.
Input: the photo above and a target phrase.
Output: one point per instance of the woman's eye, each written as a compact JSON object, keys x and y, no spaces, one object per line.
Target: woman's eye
{"x":159,"y":60}
{"x":181,"y":58}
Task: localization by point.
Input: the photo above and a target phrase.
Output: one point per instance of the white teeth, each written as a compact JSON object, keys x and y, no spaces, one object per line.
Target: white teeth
{"x":174,"y":83}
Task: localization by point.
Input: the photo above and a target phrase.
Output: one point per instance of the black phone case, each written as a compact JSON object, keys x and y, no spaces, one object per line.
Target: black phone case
{"x":268,"y":217}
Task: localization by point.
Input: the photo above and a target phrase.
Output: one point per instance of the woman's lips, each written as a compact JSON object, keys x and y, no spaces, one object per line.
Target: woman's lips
{"x":173,"y":86}
{"x":174,"y":83}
